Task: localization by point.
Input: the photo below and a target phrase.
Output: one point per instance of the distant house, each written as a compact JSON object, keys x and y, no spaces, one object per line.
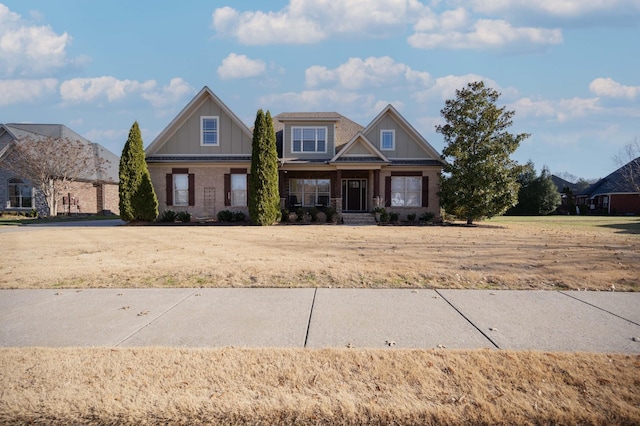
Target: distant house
{"x":567,"y":192}
{"x":95,"y":193}
{"x":201,"y":160}
{"x":618,"y":193}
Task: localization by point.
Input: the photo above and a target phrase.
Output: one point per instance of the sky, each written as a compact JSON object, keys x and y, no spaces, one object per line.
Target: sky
{"x":570,"y":69}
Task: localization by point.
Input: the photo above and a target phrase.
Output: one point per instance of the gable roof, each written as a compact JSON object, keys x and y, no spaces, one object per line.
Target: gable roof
{"x":359,"y":140}
{"x":186,"y":112}
{"x":618,"y":181}
{"x":422,"y":142}
{"x":111,"y":162}
{"x":562,"y":183}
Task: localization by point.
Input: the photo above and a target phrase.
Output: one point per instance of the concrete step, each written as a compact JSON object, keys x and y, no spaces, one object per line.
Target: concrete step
{"x":358,"y":219}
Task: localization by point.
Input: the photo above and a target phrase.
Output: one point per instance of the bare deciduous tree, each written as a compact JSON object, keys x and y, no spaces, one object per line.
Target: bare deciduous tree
{"x":52,"y":164}
{"x":629,"y":161}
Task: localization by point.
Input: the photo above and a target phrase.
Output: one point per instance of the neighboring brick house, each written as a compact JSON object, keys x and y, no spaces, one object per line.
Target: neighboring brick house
{"x":616,"y":194}
{"x":201,"y":160}
{"x":96,"y":193}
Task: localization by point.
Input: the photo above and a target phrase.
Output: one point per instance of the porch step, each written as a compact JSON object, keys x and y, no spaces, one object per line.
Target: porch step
{"x":358,"y":219}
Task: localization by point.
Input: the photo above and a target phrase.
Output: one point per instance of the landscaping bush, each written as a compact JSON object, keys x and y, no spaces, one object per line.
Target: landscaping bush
{"x":426,"y":217}
{"x":225,"y":216}
{"x":384,"y":216}
{"x":238,"y":216}
{"x":321,"y":217}
{"x":411,"y":217}
{"x":183,"y":217}
{"x":300,"y":213}
{"x":332,"y":214}
{"x":313,"y":211}
{"x":168,"y":216}
{"x":394,"y":217}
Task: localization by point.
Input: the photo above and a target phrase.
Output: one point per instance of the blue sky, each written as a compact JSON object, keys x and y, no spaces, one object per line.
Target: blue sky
{"x":569,"y":68}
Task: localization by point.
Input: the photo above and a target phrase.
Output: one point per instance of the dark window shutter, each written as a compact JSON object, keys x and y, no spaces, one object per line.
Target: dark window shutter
{"x":387,"y":191}
{"x":169,"y":189}
{"x":192,"y":189}
{"x":425,"y":191}
{"x":227,"y":189}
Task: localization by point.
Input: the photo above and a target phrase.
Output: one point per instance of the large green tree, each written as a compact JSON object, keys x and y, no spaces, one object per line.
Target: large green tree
{"x":538,"y":195}
{"x":479,"y":178}
{"x":264,"y":196}
{"x":138,"y":200}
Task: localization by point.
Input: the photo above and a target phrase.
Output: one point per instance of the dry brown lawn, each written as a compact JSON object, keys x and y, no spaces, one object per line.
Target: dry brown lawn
{"x":331,"y":386}
{"x":515,"y":253}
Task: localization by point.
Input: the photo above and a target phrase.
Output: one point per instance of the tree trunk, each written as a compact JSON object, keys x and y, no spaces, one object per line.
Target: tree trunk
{"x":469,"y":221}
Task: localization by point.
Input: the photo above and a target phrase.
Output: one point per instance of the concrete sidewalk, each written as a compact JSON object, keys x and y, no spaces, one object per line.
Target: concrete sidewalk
{"x":320,"y":318}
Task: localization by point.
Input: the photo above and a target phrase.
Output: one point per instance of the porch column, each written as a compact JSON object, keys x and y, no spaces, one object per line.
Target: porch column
{"x":376,"y":183}
{"x":337,"y":191}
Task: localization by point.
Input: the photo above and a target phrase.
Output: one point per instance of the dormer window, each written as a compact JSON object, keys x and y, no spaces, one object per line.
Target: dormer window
{"x":309,"y":139}
{"x":209,"y":131}
{"x":387,"y":140}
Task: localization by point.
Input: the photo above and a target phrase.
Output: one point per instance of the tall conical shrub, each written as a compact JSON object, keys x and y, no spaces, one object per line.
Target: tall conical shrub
{"x":264,"y":196}
{"x":138,"y":200}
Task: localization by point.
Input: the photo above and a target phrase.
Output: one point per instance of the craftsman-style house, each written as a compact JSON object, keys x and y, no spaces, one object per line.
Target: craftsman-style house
{"x":201,"y":160}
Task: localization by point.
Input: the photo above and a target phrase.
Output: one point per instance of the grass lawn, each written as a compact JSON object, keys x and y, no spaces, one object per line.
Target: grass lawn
{"x":329,"y":386}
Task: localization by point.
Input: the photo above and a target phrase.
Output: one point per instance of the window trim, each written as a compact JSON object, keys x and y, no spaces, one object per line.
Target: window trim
{"x":302,"y":151}
{"x":232,"y":191}
{"x":202,"y":131}
{"x":20,"y":184}
{"x":316,"y":193}
{"x":393,"y":139}
{"x":175,"y":190}
{"x":405,"y":192}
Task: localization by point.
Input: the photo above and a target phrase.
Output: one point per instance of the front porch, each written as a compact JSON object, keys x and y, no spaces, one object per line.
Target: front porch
{"x":348,"y":191}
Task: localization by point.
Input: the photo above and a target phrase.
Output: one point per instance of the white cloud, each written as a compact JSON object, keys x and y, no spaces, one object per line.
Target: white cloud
{"x":555,"y":8}
{"x":26,"y":91}
{"x":91,"y":89}
{"x":170,"y":94}
{"x":311,"y":21}
{"x":240,"y":66}
{"x":29,"y":50}
{"x":359,"y":73}
{"x":607,"y":87}
{"x":562,"y":110}
{"x":486,"y":34}
{"x":444,"y":88}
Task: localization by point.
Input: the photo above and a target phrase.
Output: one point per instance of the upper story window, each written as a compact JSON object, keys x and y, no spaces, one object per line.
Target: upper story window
{"x":309,"y":139}
{"x":387,"y":140}
{"x":209,"y":131}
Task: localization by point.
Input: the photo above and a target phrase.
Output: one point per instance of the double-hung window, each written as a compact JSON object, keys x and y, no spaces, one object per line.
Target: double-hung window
{"x":309,"y":139}
{"x":238,"y":189}
{"x":180,"y":190}
{"x":406,"y":191}
{"x":209,"y":131}
{"x":387,"y":140}
{"x":20,"y":194}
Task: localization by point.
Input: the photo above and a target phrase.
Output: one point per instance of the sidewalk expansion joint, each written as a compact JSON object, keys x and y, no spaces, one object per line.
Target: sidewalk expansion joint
{"x":468,"y":320}
{"x":157,"y":318}
{"x":598,"y":307}
{"x":313,"y":304}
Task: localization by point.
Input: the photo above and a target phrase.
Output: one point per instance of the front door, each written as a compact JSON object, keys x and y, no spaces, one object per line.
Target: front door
{"x":354,"y":195}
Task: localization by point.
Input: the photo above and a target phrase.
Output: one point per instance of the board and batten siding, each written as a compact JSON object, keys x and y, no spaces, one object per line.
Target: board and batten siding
{"x":186,"y":140}
{"x":287,"y":139}
{"x":405,"y":145}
